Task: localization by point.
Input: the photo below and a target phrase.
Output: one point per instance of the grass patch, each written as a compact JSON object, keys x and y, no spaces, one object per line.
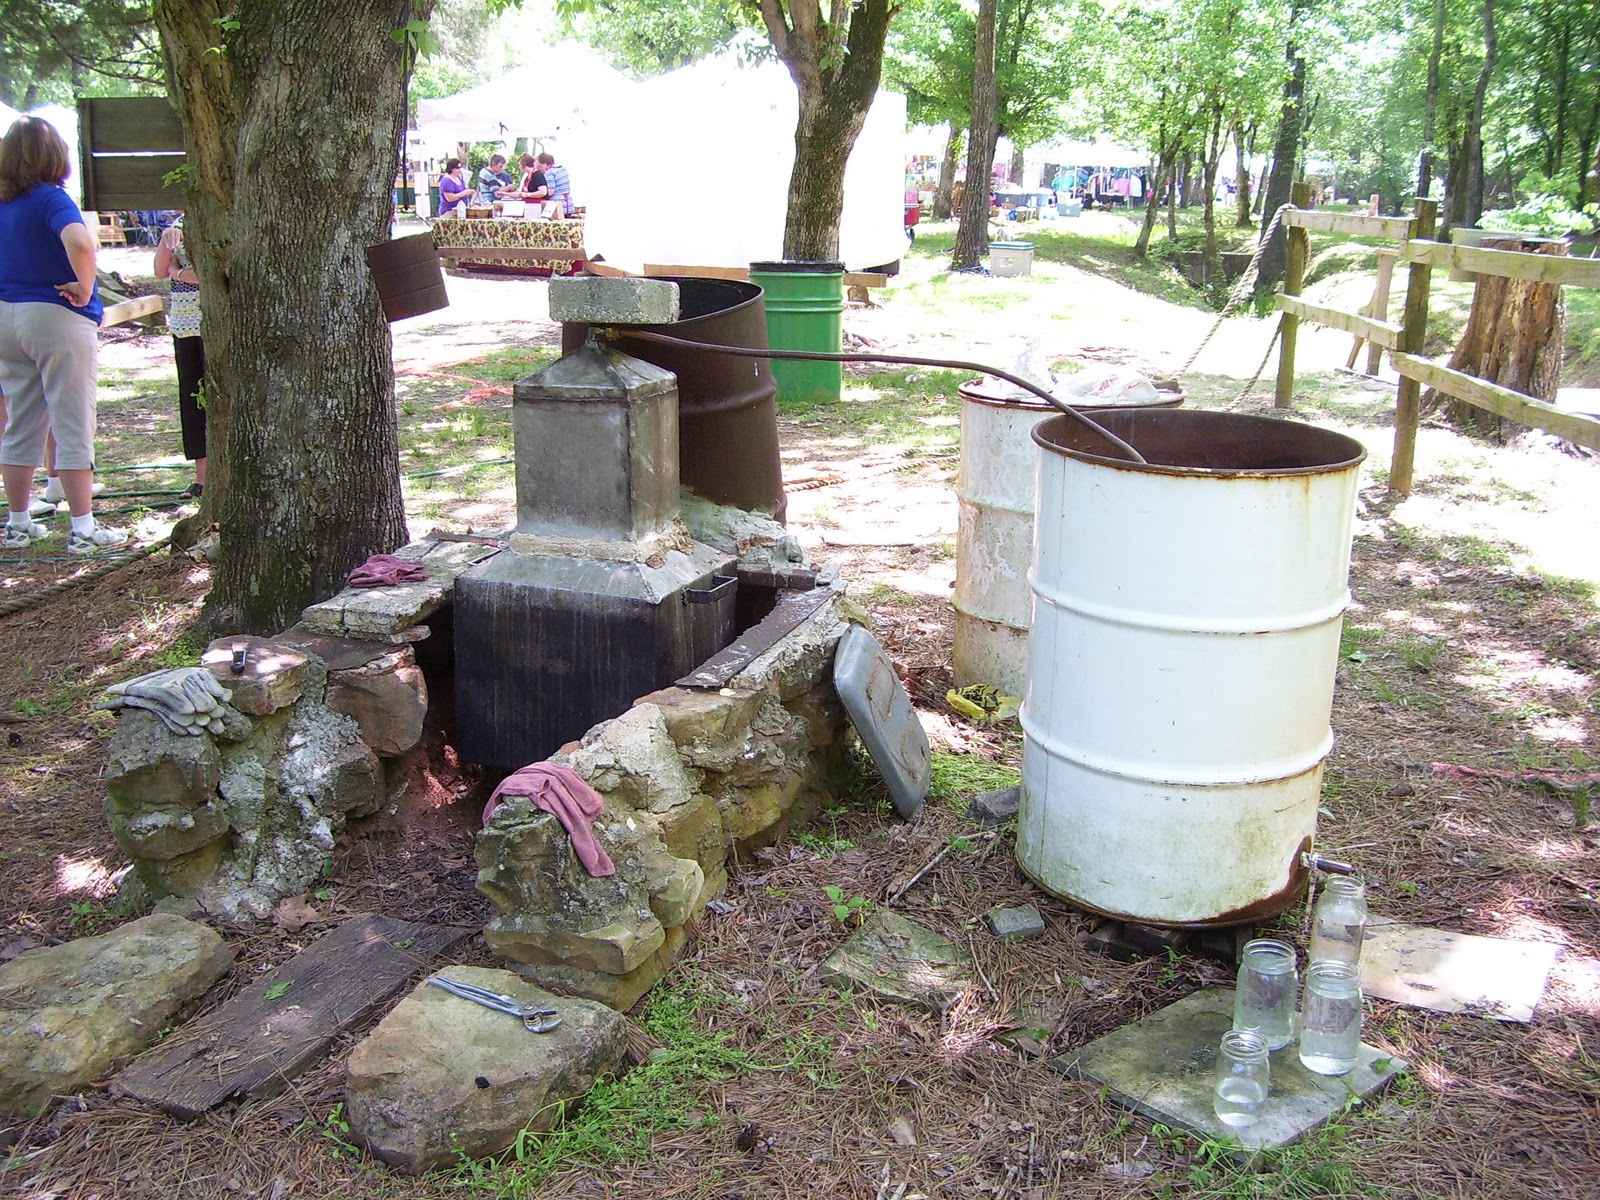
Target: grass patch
{"x":959,"y":777}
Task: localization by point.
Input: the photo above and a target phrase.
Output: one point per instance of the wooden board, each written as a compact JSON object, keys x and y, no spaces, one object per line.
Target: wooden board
{"x":125,"y":182}
{"x":1509,"y":264}
{"x":253,"y":1047}
{"x":851,"y":278}
{"x":1382,"y":333}
{"x":1575,"y":427}
{"x":129,"y":125}
{"x":131,"y":310}
{"x":1398,"y":228}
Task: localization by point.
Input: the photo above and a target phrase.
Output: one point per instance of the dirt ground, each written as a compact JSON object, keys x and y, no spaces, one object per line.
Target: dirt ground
{"x":1460,"y":782}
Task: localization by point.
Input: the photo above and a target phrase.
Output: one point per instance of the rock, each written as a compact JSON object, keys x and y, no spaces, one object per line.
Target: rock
{"x":150,"y":767}
{"x":620,"y":992}
{"x":164,"y":833}
{"x":70,"y":1013}
{"x":441,"y":1077}
{"x":800,"y":659}
{"x":1022,"y":922}
{"x":707,"y":726}
{"x":900,"y":961}
{"x":273,"y":675}
{"x":995,"y":808}
{"x":387,"y":698}
{"x":633,"y":761}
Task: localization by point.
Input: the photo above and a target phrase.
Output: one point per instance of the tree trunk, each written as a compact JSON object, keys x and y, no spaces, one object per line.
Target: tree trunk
{"x":836,"y":69}
{"x":1210,"y":157}
{"x":972,"y":235}
{"x":312,"y":97}
{"x":1172,"y":203}
{"x":1285,"y":152}
{"x":1515,"y":336}
{"x":1471,"y":209}
{"x":1242,"y":148}
{"x":1019,"y":167}
{"x":1152,"y":204}
{"x":942,"y":198}
{"x":1430,"y":104}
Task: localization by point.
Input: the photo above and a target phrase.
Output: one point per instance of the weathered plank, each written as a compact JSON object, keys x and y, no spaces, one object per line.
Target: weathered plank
{"x":1398,"y":228}
{"x":1508,"y":264}
{"x":253,"y":1046}
{"x":1408,"y":393}
{"x":851,"y":278}
{"x":1575,"y":427}
{"x":131,"y":310}
{"x":1384,"y":333}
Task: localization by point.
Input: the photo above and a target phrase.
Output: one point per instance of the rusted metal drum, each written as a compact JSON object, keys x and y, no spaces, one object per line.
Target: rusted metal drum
{"x":1185,"y":634}
{"x":406,"y":273}
{"x":727,"y":417}
{"x":994,"y":537}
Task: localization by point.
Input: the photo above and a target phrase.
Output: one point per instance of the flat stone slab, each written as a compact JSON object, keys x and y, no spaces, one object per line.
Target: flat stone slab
{"x":899,"y":960}
{"x":1163,"y":1068}
{"x":1503,"y":978}
{"x":1021,"y":922}
{"x":615,"y":300}
{"x":391,"y":614}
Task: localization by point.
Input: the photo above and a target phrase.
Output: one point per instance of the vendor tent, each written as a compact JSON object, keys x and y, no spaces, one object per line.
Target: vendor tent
{"x":698,"y":175}
{"x":568,"y":89}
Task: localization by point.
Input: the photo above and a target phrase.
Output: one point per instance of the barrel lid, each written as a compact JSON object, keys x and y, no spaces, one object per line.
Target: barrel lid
{"x":1011,"y":245}
{"x":884,"y":717}
{"x":796,"y":266}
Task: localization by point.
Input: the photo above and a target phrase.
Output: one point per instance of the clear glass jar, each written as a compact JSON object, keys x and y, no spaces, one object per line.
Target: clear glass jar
{"x":1339,"y":922}
{"x":1244,"y":1078}
{"x":1330,"y":1018}
{"x":1265,"y":994}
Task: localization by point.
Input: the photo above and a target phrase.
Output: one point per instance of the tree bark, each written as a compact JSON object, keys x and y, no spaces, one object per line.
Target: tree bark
{"x":943,"y":198}
{"x":1468,"y":207}
{"x":1242,"y":146}
{"x":836,"y":63}
{"x":1285,"y":152}
{"x":293,"y":140}
{"x":972,"y":235}
{"x":1430,"y":103}
{"x":1515,"y":336}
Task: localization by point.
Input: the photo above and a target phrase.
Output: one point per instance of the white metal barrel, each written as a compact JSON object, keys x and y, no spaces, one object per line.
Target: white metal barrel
{"x":994,"y":535}
{"x":1185,"y":635}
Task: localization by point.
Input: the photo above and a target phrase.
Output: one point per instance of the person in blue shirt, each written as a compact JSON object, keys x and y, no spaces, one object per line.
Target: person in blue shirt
{"x":493,"y":178}
{"x":50,"y":314}
{"x":559,"y":184}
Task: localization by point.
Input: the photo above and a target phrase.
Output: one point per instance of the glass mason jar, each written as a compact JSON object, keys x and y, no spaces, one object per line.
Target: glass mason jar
{"x":1244,"y":1077}
{"x":1265,"y":994}
{"x":1330,"y":1018}
{"x":1339,"y":923}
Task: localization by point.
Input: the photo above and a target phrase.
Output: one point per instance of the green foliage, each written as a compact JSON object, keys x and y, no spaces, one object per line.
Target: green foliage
{"x":847,"y":910}
{"x":959,"y":777}
{"x":1545,"y":214}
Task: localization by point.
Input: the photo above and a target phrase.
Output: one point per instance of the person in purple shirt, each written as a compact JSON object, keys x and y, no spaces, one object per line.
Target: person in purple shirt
{"x":453,"y":188}
{"x":50,"y":314}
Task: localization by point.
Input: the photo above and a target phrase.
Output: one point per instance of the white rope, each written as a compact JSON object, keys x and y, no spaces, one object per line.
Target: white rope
{"x":1240,"y":290}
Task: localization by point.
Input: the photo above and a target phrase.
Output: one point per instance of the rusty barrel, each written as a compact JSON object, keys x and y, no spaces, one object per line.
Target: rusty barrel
{"x":1181,"y":663}
{"x":406,"y":273}
{"x":727,"y":417}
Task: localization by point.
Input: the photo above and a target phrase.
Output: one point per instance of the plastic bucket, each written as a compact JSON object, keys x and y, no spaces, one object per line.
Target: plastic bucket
{"x":406,"y":273}
{"x":805,"y":311}
{"x":994,"y":537}
{"x":727,"y":421}
{"x":1181,"y":664}
{"x":1010,"y":259}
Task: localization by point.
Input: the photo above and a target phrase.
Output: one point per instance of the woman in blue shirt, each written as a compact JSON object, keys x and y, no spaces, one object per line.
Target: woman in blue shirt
{"x":50,"y":314}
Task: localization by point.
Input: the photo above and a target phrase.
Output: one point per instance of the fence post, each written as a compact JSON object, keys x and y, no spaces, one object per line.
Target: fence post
{"x":1414,"y":327}
{"x":1294,"y":275}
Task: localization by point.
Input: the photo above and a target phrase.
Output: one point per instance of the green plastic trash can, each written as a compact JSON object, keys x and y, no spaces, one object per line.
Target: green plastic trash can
{"x":805,"y":311}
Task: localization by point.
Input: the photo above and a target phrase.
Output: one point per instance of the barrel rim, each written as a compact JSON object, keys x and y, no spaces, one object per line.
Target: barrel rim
{"x":797,"y":266}
{"x":1165,"y":398}
{"x":1115,"y":420}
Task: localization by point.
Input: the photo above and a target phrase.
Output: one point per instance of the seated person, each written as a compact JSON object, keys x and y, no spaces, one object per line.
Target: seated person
{"x":533,"y":187}
{"x":453,"y":188}
{"x":492,"y":178}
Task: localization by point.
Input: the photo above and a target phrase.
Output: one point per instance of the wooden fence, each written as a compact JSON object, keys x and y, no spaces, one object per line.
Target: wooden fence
{"x":1404,"y":340}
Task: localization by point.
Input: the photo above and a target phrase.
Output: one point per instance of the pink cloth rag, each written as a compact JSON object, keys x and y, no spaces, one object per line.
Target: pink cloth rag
{"x":565,"y":795}
{"x":381,"y":570}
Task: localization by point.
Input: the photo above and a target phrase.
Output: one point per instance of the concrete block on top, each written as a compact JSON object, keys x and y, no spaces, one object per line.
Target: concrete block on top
{"x":613,"y":300}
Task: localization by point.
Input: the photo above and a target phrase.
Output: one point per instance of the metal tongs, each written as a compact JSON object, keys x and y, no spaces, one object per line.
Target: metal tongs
{"x":534,"y":1018}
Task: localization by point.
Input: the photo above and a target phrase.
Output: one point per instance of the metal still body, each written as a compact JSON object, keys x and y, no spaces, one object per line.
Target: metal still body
{"x":1181,"y":664}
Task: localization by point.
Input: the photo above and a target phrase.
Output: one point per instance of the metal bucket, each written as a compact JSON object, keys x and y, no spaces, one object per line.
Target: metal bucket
{"x":727,"y":418}
{"x":1185,"y":634}
{"x":406,"y":273}
{"x":994,"y":537}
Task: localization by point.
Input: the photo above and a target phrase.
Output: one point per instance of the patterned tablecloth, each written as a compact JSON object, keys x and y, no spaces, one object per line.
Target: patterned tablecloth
{"x":556,"y":246}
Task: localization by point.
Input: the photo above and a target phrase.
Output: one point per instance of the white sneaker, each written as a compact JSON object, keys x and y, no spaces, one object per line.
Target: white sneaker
{"x":41,"y":506}
{"x":54,"y":495}
{"x":97,"y":539}
{"x":20,"y":537}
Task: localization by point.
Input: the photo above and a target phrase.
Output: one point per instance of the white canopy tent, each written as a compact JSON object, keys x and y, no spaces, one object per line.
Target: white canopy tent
{"x":65,"y":121}
{"x":698,"y":172}
{"x":569,"y":89}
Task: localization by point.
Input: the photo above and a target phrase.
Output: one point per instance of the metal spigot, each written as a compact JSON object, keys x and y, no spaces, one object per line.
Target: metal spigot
{"x":1315,"y":862}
